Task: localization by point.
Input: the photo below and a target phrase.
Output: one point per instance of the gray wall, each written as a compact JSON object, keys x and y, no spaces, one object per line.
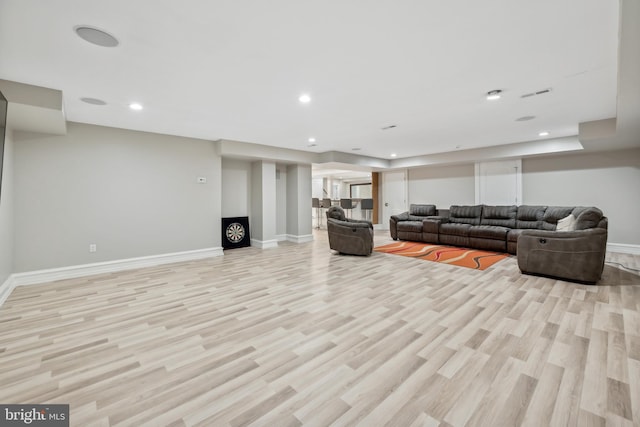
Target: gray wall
{"x":281,"y":200}
{"x":236,"y":188}
{"x":299,"y":200}
{"x":263,"y":196}
{"x":608,"y":180}
{"x":6,"y":211}
{"x":130,"y":193}
{"x":442,"y":186}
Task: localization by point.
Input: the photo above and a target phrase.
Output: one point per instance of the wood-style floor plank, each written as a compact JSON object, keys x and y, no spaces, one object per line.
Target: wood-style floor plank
{"x":301,"y":336}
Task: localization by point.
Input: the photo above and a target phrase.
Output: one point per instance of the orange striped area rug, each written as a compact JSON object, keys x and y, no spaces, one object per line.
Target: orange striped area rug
{"x":462,"y":257}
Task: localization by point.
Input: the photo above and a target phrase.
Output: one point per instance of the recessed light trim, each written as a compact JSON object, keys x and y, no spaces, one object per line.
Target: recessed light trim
{"x":525,"y":118}
{"x":305,"y":98}
{"x":543,"y":133}
{"x":492,"y":95}
{"x":312,"y":139}
{"x":95,"y":36}
{"x":136,"y":106}
{"x":93,"y":101}
{"x":394,"y":155}
{"x":356,"y":149}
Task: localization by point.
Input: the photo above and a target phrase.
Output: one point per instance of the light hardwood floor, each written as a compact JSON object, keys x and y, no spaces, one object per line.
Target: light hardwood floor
{"x":297,"y":335}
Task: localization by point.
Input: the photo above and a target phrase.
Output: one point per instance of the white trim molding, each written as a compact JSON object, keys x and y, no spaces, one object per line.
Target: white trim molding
{"x":281,"y":237}
{"x":304,"y":238}
{"x":623,"y":248}
{"x":264,"y":244}
{"x":50,"y":275}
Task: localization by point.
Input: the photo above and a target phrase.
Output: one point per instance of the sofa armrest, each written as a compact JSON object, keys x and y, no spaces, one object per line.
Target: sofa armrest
{"x":393,"y":223}
{"x":351,"y":223}
{"x":573,"y":255}
{"x":404,"y":216}
{"x":432,"y":224}
{"x":441,"y":219}
{"x":368,"y":224}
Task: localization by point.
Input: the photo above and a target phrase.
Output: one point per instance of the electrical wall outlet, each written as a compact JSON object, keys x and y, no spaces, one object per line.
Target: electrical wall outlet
{"x":93,"y":247}
{"x":202,"y":180}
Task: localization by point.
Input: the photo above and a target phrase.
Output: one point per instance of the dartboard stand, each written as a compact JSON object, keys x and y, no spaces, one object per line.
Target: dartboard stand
{"x":235,"y":232}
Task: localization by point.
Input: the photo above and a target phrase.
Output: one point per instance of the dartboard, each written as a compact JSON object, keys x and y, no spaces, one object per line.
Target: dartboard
{"x":235,"y":232}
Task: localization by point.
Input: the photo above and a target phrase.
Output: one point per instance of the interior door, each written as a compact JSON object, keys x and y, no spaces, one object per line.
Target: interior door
{"x":394,"y":195}
{"x":499,"y":183}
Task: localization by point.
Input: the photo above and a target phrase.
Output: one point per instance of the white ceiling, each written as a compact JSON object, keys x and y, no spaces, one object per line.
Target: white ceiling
{"x":234,"y":70}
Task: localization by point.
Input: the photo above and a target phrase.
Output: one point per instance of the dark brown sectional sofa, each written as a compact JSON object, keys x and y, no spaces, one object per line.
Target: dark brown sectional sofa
{"x":528,"y":231}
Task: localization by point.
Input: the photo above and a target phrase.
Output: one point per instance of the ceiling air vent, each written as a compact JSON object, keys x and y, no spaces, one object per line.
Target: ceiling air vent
{"x":540,"y":92}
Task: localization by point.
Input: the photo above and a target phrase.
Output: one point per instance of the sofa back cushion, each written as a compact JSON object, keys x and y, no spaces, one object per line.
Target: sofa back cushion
{"x":504,"y":216}
{"x":553,"y":214}
{"x":336,"y":212}
{"x":422,"y":210}
{"x":465,"y":214}
{"x":530,"y":217}
{"x":587,"y":217}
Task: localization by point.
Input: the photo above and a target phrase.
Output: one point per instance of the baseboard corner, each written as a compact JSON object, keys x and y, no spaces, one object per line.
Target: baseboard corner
{"x":264,"y":244}
{"x":303,"y":238}
{"x":6,"y":288}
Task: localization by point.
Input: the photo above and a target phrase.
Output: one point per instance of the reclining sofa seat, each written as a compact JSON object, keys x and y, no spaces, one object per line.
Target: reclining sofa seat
{"x":528,"y":231}
{"x":349,"y":236}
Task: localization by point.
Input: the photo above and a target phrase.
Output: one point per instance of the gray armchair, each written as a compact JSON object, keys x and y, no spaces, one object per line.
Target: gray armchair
{"x":572,"y":255}
{"x":349,"y":236}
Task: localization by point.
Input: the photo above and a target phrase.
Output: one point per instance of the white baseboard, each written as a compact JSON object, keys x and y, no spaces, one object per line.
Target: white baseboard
{"x":6,"y":288}
{"x":281,"y":237}
{"x":623,"y":248}
{"x":304,"y":238}
{"x":264,"y":244}
{"x":50,"y":275}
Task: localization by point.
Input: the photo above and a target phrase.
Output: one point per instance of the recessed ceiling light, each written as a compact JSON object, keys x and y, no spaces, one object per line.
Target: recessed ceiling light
{"x":93,"y":101}
{"x":389,"y":127}
{"x":304,"y":98}
{"x":525,"y":118}
{"x":356,"y":149}
{"x":543,"y":133}
{"x":394,"y":155}
{"x":492,"y":95}
{"x":96,"y":36}
{"x":312,"y":139}
{"x":135,"y":106}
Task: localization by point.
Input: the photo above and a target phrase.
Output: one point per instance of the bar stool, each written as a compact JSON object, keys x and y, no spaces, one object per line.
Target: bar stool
{"x":315,"y":203}
{"x":324,"y":204}
{"x":346,"y":204}
{"x":366,"y":206}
